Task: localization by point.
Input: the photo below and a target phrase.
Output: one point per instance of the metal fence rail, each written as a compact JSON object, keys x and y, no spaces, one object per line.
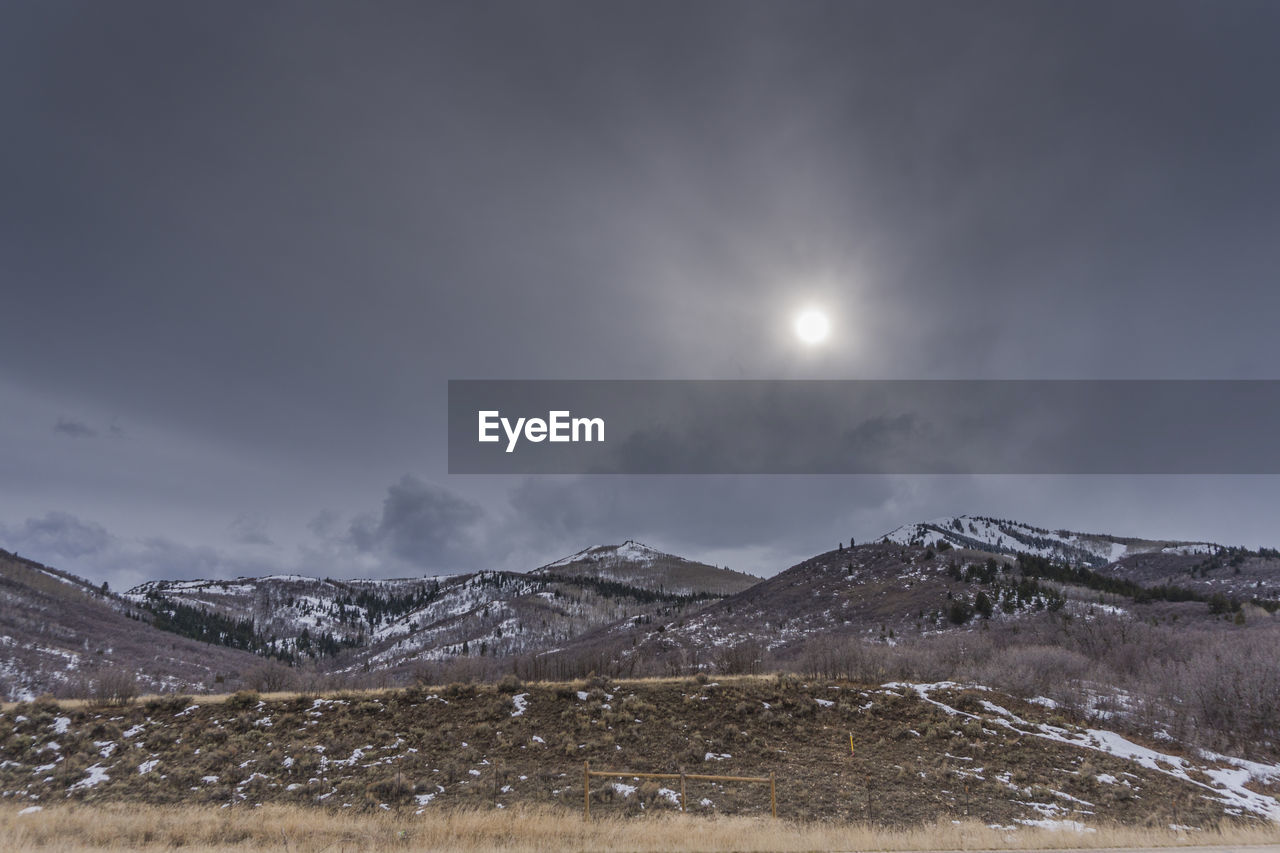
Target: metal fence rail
{"x":587,"y":773}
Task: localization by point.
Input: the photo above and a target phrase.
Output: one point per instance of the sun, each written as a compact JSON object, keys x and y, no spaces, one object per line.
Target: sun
{"x":812,"y":326}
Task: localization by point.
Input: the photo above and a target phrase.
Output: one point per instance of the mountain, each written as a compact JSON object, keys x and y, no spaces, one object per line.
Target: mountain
{"x":877,"y":591}
{"x":1170,"y":642}
{"x":927,"y":579}
{"x":60,"y":634}
{"x":1206,"y":568}
{"x":398,"y":625}
{"x":624,"y":609}
{"x":638,"y":565}
{"x":1002,"y":536}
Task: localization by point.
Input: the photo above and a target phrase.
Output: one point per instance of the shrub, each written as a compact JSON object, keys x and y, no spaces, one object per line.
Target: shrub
{"x":243,"y":701}
{"x":115,"y":686}
{"x":393,"y":787}
{"x":458,"y":690}
{"x":171,"y":704}
{"x":270,"y":676}
{"x":509,"y":684}
{"x":46,"y":702}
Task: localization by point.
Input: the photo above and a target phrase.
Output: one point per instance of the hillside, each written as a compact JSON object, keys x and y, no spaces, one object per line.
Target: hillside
{"x":875,"y":592}
{"x":888,"y":593}
{"x":1204,"y":567}
{"x":897,"y":753}
{"x":59,"y":634}
{"x":1002,"y":536}
{"x":398,"y":626}
{"x":638,"y":565}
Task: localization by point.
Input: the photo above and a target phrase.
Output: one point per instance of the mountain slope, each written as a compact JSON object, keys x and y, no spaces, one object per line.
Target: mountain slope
{"x":638,"y":565}
{"x":876,"y":591}
{"x":888,"y":593}
{"x":60,"y":634}
{"x":390,"y":625}
{"x":1002,"y":536}
{"x":1205,"y":568}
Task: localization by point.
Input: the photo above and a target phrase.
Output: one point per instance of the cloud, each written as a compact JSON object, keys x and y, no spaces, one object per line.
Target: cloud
{"x":324,"y":523}
{"x":250,"y":529}
{"x":421,"y":524}
{"x":88,"y":549}
{"x":75,"y":429}
{"x":58,"y":535}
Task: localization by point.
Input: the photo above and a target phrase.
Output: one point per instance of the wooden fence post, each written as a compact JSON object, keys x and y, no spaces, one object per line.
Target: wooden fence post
{"x":682,"y":797}
{"x":773,"y":795}
{"x":586,"y":790}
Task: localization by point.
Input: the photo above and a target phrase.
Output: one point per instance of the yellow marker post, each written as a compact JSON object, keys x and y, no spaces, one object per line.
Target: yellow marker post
{"x":851,"y":743}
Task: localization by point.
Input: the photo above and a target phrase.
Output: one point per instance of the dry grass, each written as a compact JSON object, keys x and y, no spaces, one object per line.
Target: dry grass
{"x":465,"y":748}
{"x":202,"y":698}
{"x":532,"y":830}
{"x":286,"y":695}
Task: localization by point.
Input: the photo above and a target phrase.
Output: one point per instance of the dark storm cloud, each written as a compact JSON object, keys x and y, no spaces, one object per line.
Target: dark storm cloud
{"x":58,"y":535}
{"x":272,"y":232}
{"x":249,"y":529}
{"x":74,"y":429}
{"x":88,"y":548}
{"x":422,"y":524}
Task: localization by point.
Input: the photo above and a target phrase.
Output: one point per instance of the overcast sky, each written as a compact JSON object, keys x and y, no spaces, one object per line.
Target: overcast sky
{"x":244,"y":245}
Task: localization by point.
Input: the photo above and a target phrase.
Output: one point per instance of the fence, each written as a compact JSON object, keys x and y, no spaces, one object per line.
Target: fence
{"x":587,"y":773}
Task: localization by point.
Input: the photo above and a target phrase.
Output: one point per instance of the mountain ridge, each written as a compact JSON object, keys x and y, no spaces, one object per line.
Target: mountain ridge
{"x":631,"y":608}
{"x":1008,"y":537}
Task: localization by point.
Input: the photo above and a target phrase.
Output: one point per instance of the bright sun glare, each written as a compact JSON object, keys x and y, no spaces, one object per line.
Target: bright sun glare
{"x":812,"y":326}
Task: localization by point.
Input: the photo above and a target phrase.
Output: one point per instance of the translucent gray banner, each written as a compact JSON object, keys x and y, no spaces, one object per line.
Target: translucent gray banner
{"x":864,"y":427}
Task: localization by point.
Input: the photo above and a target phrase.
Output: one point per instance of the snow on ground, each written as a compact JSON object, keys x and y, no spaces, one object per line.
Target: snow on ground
{"x":629,"y":551}
{"x":1227,"y":784}
{"x":521,"y":701}
{"x":93,"y":775}
{"x":1012,"y":537}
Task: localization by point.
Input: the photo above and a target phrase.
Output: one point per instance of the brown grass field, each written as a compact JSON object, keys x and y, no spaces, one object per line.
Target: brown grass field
{"x":198,"y":829}
{"x":467,"y":767}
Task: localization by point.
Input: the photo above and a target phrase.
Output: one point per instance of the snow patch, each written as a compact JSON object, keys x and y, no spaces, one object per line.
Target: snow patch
{"x":93,"y":776}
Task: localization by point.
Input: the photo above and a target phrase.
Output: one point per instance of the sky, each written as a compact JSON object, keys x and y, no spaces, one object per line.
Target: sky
{"x":244,"y":246}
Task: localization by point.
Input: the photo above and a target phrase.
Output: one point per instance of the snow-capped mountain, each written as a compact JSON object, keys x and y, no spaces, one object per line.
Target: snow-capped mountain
{"x":607,"y":606}
{"x":1002,"y":536}
{"x":639,"y":565}
{"x":386,"y":624}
